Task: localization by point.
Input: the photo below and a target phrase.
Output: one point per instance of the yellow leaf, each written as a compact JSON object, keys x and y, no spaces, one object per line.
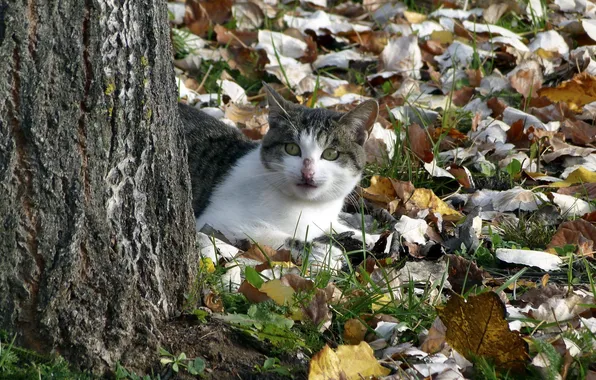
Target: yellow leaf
{"x":207,"y":265}
{"x":354,"y":331}
{"x":477,"y":327}
{"x":414,"y":17}
{"x":348,"y":362}
{"x":280,"y":293}
{"x":381,"y":302}
{"x":380,"y":190}
{"x":443,"y":36}
{"x":577,"y":92}
{"x":425,"y":198}
{"x":579,"y":175}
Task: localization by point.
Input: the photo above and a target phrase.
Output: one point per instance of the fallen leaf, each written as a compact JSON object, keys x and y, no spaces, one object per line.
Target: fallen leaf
{"x":587,"y":190}
{"x":571,"y":207}
{"x":202,"y":14}
{"x":412,"y":230}
{"x":402,"y":55}
{"x":494,"y":12}
{"x":426,"y":199}
{"x":354,"y":331}
{"x":420,"y":142}
{"x":516,"y":199}
{"x":577,"y":92}
{"x":282,"y":294}
{"x":579,"y":132}
{"x":380,"y":190}
{"x":562,"y":149}
{"x":462,"y":175}
{"x":347,"y":362}
{"x":462,"y":96}
{"x":464,"y":272}
{"x":214,"y":302}
{"x":578,"y":232}
{"x":477,"y":327}
{"x":579,"y":175}
{"x":435,"y":340}
{"x":251,"y":293}
{"x":539,"y":259}
{"x":528,"y":81}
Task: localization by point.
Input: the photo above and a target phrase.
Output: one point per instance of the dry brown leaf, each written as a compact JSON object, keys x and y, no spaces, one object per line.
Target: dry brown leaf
{"x":370,"y":41}
{"x":354,"y":331}
{"x":560,"y":149}
{"x":517,"y":136}
{"x":237,"y":38}
{"x":214,"y":302}
{"x":497,"y":106}
{"x":587,"y":190}
{"x":577,"y":92}
{"x":251,"y":293}
{"x":494,"y":12}
{"x":462,"y":176}
{"x":527,"y":82}
{"x":577,"y":232}
{"x":579,"y":132}
{"x":435,"y":340}
{"x":474,"y":77}
{"x":201,"y":14}
{"x":420,"y":143}
{"x":462,"y":96}
{"x":477,"y":327}
{"x":264,"y":253}
{"x":464,"y":272}
{"x":433,"y":47}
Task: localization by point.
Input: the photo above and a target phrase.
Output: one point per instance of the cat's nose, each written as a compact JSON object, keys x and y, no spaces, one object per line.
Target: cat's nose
{"x":308,"y":170}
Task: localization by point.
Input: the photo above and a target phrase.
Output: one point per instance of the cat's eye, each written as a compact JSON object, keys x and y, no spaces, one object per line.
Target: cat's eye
{"x":330,"y":154}
{"x":292,"y":149}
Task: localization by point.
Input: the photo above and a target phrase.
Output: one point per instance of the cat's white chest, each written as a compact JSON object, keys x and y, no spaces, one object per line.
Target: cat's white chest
{"x":248,"y":203}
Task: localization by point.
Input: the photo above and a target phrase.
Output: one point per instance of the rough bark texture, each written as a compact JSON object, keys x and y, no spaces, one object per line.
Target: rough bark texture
{"x":96,"y":228}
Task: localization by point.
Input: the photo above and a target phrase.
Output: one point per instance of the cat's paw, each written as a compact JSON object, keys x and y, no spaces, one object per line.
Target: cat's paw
{"x":369,"y":239}
{"x":317,"y":255}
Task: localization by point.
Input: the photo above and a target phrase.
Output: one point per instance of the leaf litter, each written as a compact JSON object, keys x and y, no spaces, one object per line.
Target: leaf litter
{"x":486,"y":124}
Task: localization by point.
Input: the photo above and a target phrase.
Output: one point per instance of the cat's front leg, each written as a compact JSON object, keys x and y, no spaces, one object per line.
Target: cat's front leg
{"x":369,"y":239}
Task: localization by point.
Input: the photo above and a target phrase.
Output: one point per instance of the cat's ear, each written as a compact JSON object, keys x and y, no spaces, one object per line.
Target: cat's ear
{"x":362,"y":119}
{"x":278,"y":106}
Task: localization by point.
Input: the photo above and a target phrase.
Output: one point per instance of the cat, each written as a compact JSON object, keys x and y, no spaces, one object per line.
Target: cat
{"x":291,"y":187}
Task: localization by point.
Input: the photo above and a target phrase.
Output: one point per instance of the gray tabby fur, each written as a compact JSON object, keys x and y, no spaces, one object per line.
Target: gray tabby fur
{"x":213,"y":148}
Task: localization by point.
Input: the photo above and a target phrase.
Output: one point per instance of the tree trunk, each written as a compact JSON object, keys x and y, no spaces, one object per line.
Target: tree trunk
{"x":96,"y":227}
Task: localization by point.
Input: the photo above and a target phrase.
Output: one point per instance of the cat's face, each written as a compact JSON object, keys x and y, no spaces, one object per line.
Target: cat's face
{"x":315,"y":154}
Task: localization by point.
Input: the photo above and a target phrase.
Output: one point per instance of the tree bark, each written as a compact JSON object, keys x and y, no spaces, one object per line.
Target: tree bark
{"x":96,"y":227}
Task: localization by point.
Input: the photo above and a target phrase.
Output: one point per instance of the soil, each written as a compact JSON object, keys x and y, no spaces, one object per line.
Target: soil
{"x":228,"y":354}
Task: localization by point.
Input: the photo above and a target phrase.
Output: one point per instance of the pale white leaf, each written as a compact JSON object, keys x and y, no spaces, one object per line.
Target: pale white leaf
{"x":549,"y":41}
{"x":590,"y":28}
{"x":571,"y":206}
{"x":233,"y":90}
{"x":492,"y":29}
{"x":433,"y":169}
{"x":403,"y":55}
{"x":539,"y":259}
{"x":516,"y":199}
{"x":412,"y":230}
{"x":341,"y":59}
{"x":283,"y":44}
